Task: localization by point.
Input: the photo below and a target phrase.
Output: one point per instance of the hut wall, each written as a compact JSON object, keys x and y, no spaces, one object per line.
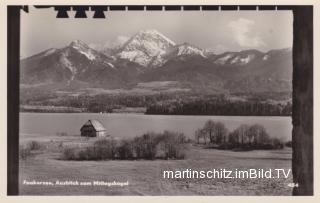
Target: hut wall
{"x":88,"y":131}
{"x":101,"y":133}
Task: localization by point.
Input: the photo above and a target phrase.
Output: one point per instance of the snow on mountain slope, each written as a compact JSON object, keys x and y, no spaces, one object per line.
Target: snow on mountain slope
{"x":241,"y":58}
{"x":187,"y":49}
{"x":151,"y":56}
{"x":68,"y":64}
{"x":83,"y":49}
{"x":177,"y":51}
{"x":150,"y":48}
{"x":265,"y":57}
{"x":145,"y":46}
{"x":224,"y":58}
{"x":110,"y":46}
{"x":50,"y":51}
{"x":77,"y":61}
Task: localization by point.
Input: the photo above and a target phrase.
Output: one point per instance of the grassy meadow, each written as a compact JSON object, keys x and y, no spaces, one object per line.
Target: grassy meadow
{"x":44,"y":163}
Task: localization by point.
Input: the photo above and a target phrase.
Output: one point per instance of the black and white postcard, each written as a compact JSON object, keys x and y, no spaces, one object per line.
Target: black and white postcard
{"x":161,"y":100}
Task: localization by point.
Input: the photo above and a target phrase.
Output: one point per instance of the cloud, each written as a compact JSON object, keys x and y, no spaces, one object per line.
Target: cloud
{"x":219,"y":48}
{"x":119,"y":41}
{"x":241,"y":29}
{"x":122,"y":39}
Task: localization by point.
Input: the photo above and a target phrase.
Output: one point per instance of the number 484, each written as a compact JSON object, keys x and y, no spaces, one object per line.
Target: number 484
{"x":293,"y":184}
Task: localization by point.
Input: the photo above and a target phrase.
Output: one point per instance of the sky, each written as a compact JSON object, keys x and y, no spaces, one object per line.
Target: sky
{"x":217,"y":31}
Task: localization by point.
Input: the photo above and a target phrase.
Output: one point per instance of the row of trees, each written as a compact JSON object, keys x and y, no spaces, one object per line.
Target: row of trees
{"x":245,"y":136}
{"x":95,"y":103}
{"x":183,"y":103}
{"x":166,"y":145}
{"x":214,"y":132}
{"x":220,"y":107}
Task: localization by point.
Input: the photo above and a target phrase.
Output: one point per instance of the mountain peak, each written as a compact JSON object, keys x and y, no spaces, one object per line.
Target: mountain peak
{"x":78,"y":44}
{"x":187,"y":49}
{"x":83,"y":48}
{"x":145,"y":46}
{"x":154,"y":34}
{"x":149,"y":31}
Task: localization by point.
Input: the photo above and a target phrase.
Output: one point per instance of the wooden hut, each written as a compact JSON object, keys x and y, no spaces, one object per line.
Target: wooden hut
{"x":93,"y":128}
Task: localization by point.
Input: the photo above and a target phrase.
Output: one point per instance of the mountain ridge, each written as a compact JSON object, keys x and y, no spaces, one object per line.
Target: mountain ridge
{"x":151,"y":56}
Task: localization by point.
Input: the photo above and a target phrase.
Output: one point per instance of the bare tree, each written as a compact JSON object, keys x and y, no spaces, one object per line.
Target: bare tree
{"x":220,"y":132}
{"x":209,"y":128}
{"x":243,"y":131}
{"x":204,"y":135}
{"x":197,"y":135}
{"x":259,"y":134}
{"x":234,"y":138}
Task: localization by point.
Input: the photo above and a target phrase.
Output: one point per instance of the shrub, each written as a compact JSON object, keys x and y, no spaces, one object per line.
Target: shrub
{"x":146,"y":146}
{"x":288,"y":144}
{"x":34,"y":145}
{"x":172,"y":144}
{"x":277,"y":144}
{"x":243,"y":138}
{"x":137,"y":147}
{"x":69,"y":154}
{"x":104,"y":149}
{"x":88,"y":153}
{"x":265,"y":146}
{"x":24,"y":152}
{"x":175,"y":152}
{"x":125,"y":150}
{"x":226,"y":146}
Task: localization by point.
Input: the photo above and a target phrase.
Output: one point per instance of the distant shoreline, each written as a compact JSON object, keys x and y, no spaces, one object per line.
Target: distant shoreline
{"x":136,"y":113}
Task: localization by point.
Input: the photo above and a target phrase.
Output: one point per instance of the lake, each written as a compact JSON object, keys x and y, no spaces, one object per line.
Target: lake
{"x":130,"y":125}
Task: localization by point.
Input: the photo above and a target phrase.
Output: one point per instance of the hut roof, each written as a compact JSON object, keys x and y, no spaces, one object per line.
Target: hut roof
{"x":96,"y":125}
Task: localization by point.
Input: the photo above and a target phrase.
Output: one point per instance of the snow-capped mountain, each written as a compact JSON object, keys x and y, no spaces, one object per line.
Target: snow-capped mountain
{"x":151,"y":48}
{"x":145,"y":46}
{"x":241,"y":58}
{"x":110,"y":47}
{"x":77,"y":61}
{"x":150,"y":56}
{"x":179,"y":51}
{"x":84,"y":49}
{"x":244,"y":71}
{"x":186,"y":49}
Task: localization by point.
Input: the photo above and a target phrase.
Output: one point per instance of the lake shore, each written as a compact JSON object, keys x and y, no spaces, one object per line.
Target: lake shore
{"x":126,"y":125}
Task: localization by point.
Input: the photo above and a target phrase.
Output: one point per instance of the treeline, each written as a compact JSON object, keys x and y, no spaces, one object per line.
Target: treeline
{"x":182,"y":103}
{"x":102,"y":102}
{"x":220,"y":107}
{"x":263,"y":96}
{"x":166,"y":145}
{"x":215,"y":134}
{"x":50,"y":109}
